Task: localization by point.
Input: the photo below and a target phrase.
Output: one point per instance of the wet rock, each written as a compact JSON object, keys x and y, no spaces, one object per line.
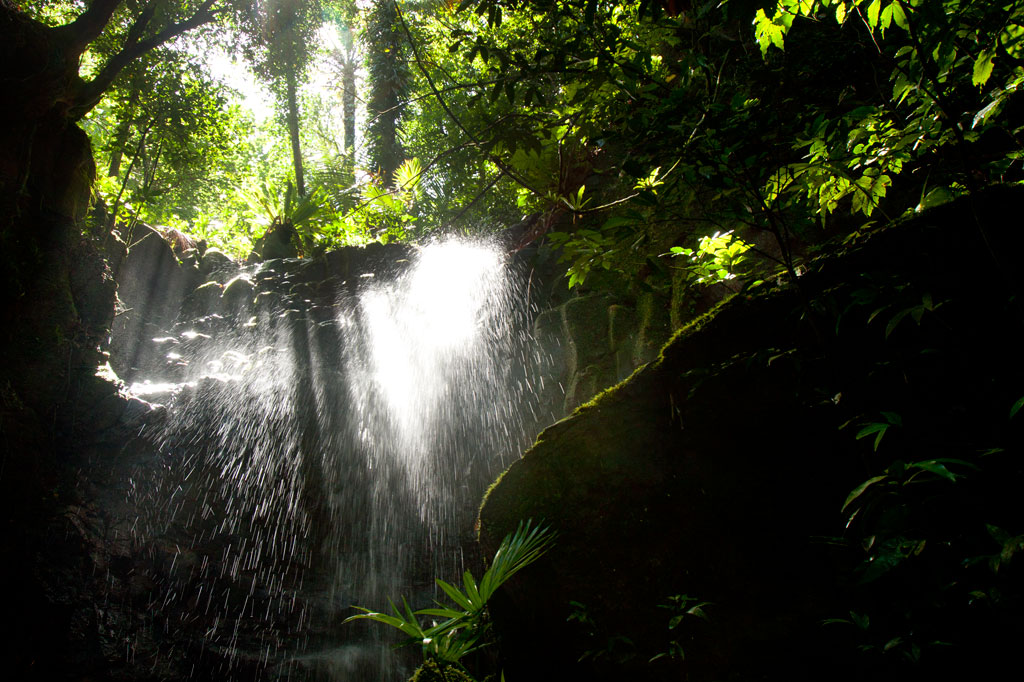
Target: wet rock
{"x":301,"y":291}
{"x":94,"y":291}
{"x":267,"y":302}
{"x":311,"y":270}
{"x":337,"y":263}
{"x":214,"y":262}
{"x":202,"y":300}
{"x":151,"y":286}
{"x":237,"y":296}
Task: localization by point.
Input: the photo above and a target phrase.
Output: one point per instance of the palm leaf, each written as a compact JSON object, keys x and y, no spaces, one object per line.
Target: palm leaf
{"x":455,"y":594}
{"x":463,"y":631}
{"x":472,"y":592}
{"x":442,"y":613}
{"x":517,"y":551}
{"x":409,"y":627}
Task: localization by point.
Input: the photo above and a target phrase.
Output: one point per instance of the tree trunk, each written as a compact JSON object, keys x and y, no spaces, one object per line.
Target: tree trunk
{"x":348,"y":106}
{"x":293,"y":127}
{"x":124,"y":127}
{"x":389,"y":82}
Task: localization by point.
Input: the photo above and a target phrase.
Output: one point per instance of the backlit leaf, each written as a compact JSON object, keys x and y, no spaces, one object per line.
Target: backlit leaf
{"x":841,"y":12}
{"x":873,"y":11}
{"x":983,"y":67}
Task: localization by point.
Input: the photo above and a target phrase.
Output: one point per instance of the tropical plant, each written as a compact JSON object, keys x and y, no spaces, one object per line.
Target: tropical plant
{"x":388,"y":75}
{"x":277,"y":39}
{"x":718,"y":257}
{"x":684,"y":610}
{"x":288,"y":210}
{"x":465,"y":626}
{"x":955,"y":67}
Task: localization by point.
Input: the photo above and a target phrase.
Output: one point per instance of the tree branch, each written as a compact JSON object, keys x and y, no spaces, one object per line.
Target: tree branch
{"x":92,"y":91}
{"x":87,"y":27}
{"x":502,"y":166}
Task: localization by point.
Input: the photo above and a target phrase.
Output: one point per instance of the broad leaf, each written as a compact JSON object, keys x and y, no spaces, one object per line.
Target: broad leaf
{"x":859,"y":490}
{"x":983,"y":67}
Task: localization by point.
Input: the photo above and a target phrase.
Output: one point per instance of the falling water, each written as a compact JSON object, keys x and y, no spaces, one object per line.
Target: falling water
{"x":319,"y":455}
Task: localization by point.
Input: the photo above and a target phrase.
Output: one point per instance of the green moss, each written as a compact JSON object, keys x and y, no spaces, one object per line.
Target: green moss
{"x":432,"y":671}
{"x":599,"y":399}
{"x":694,"y":326}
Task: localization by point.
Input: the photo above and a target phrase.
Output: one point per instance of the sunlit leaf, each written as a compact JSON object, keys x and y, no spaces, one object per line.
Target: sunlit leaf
{"x":841,"y":12}
{"x":859,"y":490}
{"x":873,"y":11}
{"x":983,"y":67}
{"x":899,"y":16}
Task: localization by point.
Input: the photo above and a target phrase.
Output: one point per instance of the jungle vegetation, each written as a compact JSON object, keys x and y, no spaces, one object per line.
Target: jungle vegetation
{"x":651,"y":143}
{"x":648,"y":139}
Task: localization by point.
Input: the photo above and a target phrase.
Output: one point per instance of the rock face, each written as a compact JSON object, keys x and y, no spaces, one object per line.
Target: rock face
{"x":718,"y":472}
{"x":151,"y":284}
{"x":596,"y":341}
{"x":226,"y":535}
{"x":104,"y":579}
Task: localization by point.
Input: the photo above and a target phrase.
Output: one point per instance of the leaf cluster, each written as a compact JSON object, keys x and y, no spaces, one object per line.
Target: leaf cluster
{"x":464,"y":626}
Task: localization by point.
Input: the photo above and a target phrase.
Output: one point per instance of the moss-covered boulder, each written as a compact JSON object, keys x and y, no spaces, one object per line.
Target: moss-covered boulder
{"x":719,"y":473}
{"x":432,"y":671}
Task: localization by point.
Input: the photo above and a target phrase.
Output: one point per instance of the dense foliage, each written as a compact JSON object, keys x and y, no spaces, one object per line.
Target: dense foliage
{"x":655,"y":145}
{"x":636,"y":132}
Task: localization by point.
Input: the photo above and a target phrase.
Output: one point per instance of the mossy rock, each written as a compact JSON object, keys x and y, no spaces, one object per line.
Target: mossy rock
{"x":432,"y":671}
{"x":719,"y":470}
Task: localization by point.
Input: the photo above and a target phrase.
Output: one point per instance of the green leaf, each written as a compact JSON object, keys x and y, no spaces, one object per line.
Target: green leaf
{"x":877,"y":428}
{"x":472,"y":591}
{"x":767,"y":32}
{"x":896,"y":319}
{"x":1015,"y":408}
{"x":443,"y":613}
{"x":455,"y":594}
{"x":859,"y":490}
{"x":997,"y":533}
{"x":873,"y":10}
{"x":886,"y":17}
{"x":408,"y":626}
{"x":893,"y":418}
{"x":875,"y":314}
{"x":899,"y":17}
{"x":982,"y":116}
{"x":983,"y":67}
{"x":936,"y":467}
{"x":860,"y":620}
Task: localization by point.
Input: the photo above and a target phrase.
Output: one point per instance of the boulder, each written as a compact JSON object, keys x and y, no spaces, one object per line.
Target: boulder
{"x":715,"y":476}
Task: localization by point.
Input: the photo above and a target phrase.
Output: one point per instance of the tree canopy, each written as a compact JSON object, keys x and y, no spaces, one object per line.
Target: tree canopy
{"x":649,"y":140}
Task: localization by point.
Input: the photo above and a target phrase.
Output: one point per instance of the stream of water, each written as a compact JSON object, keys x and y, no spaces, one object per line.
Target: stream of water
{"x":327,"y":444}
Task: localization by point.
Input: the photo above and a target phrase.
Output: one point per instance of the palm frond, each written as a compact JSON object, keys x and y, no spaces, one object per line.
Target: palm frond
{"x":464,"y":631}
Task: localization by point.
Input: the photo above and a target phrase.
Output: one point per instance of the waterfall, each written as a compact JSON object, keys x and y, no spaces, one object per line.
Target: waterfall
{"x":326,"y":443}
